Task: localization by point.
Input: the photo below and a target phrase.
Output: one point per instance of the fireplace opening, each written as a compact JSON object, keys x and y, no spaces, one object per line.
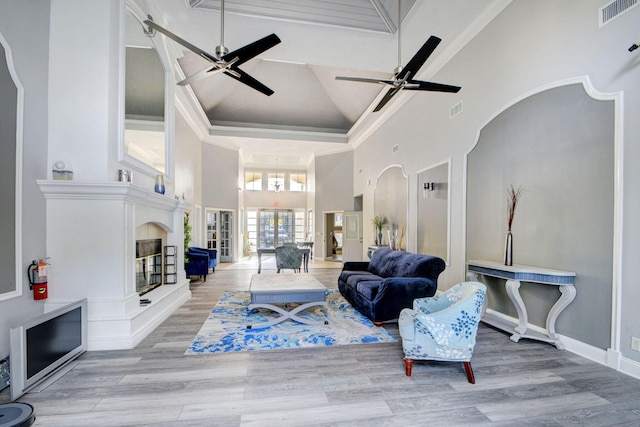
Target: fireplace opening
{"x":148,"y":265}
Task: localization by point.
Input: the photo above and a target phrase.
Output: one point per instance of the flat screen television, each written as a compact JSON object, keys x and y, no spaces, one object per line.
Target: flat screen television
{"x":46,"y":344}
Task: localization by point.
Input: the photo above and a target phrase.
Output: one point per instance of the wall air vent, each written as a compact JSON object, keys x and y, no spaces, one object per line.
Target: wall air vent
{"x":613,"y":9}
{"x":455,"y":110}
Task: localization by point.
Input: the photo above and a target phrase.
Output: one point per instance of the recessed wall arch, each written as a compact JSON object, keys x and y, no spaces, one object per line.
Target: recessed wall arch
{"x":568,"y":133}
{"x":144,"y":123}
{"x":391,"y":199}
{"x":11,"y":143}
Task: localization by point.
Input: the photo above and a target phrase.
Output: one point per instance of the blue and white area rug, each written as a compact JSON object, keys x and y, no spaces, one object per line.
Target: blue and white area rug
{"x":225,"y":330}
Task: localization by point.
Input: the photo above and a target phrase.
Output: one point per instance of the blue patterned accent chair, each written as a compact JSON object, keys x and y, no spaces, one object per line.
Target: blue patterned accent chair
{"x":288,"y":257}
{"x":444,"y":327}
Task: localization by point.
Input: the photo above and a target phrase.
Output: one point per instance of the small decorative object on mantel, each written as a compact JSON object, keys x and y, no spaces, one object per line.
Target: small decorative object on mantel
{"x":159,"y":184}
{"x":513,"y":196}
{"x":379,"y":221}
{"x":62,"y":171}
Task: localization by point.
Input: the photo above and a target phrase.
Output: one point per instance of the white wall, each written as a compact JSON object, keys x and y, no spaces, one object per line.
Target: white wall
{"x":530,"y":45}
{"x":188,"y":166}
{"x":334,"y":191}
{"x":29,"y":44}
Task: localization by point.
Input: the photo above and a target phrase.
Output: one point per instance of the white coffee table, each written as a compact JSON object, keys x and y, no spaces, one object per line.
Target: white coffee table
{"x":270,"y":289}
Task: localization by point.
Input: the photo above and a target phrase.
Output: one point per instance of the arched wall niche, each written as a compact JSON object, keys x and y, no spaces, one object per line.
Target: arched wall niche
{"x":560,"y":145}
{"x":11,"y":129}
{"x":147,"y":119}
{"x":391,"y":199}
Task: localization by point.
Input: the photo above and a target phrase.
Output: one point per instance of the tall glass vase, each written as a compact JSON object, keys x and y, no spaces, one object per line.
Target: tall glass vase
{"x":508,"y":249}
{"x":393,"y":239}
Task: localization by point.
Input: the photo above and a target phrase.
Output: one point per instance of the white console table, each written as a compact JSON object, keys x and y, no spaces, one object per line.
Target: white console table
{"x":514,"y":274}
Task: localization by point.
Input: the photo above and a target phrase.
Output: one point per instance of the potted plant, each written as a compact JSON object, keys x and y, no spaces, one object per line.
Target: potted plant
{"x":379,"y":221}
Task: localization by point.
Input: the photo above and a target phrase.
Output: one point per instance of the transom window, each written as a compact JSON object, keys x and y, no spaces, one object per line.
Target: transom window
{"x":253,"y":181}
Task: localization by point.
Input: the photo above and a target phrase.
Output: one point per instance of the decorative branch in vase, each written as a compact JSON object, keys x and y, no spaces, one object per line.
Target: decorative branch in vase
{"x":379,"y":221}
{"x":513,"y":196}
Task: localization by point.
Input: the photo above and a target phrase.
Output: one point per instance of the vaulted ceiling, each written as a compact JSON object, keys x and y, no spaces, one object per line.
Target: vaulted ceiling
{"x":310,"y":113}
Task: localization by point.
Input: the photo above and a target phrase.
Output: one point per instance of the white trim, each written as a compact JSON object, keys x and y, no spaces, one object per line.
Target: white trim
{"x":18,"y":172}
{"x":169,"y":108}
{"x":608,"y":357}
{"x":630,"y":367}
{"x":617,"y":98}
{"x":408,"y":178}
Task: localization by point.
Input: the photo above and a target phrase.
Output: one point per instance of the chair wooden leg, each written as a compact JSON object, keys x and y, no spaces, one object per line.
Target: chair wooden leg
{"x":408,"y":364}
{"x":469,"y":371}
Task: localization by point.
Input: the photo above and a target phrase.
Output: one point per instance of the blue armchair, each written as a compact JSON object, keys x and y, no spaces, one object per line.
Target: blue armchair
{"x":212,"y":253}
{"x":196,"y":264}
{"x":444,"y":327}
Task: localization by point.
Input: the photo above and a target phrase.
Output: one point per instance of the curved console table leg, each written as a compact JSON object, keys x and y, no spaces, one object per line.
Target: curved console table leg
{"x":567,"y":295}
{"x":513,"y":291}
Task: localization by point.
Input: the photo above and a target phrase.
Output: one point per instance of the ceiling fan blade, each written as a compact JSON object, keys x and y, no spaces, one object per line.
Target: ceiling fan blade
{"x":251,"y":50}
{"x":365,"y":80}
{"x":387,"y":97}
{"x":181,"y":41}
{"x":420,"y":57}
{"x":200,"y":75}
{"x":245,"y":78}
{"x":434,"y":87}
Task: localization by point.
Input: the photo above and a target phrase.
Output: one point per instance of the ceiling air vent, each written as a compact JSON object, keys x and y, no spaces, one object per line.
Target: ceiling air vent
{"x":615,"y":8}
{"x":455,"y":110}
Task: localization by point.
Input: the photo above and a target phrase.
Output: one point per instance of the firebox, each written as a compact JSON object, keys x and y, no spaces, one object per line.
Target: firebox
{"x":148,"y":265}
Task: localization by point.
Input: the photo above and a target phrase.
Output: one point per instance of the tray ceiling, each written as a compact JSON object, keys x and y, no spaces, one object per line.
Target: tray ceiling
{"x":310,"y":112}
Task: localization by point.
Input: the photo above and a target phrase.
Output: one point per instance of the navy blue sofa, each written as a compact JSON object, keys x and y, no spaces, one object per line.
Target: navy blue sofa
{"x":382,"y":287}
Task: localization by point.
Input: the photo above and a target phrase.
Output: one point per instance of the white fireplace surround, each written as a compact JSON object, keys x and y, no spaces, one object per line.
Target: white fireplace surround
{"x":91,"y":235}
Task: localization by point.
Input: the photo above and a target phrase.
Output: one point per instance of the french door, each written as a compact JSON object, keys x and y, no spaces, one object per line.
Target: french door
{"x":220,"y":233}
{"x":275,"y":227}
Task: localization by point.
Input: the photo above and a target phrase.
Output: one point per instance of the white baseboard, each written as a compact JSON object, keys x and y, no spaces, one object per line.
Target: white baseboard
{"x":630,"y":367}
{"x":610,"y":358}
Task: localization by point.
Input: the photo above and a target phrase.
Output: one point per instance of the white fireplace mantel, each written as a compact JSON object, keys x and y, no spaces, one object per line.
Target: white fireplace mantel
{"x":91,"y":229}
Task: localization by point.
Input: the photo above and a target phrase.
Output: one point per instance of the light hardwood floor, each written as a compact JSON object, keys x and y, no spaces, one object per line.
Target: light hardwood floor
{"x":523,"y":384}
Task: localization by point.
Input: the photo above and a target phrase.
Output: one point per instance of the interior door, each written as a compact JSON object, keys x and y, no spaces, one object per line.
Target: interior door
{"x":212,"y":229}
{"x":352,"y":237}
{"x":225,"y":254}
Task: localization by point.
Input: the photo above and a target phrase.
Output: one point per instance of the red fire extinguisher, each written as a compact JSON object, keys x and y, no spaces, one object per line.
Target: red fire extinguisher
{"x":37,"y":273}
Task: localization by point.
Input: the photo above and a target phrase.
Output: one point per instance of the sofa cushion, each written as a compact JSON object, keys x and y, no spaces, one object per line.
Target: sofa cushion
{"x":345,"y":275}
{"x":368,"y":288}
{"x":388,"y":263}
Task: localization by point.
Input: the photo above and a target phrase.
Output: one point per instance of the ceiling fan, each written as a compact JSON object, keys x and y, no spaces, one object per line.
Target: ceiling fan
{"x":225,"y":61}
{"x":403,"y":77}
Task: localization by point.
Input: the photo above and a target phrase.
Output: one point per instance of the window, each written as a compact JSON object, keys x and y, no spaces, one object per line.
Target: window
{"x":253,"y":181}
{"x":275,"y":181}
{"x":297,"y":182}
{"x":252,"y":231}
{"x":299,"y":226}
